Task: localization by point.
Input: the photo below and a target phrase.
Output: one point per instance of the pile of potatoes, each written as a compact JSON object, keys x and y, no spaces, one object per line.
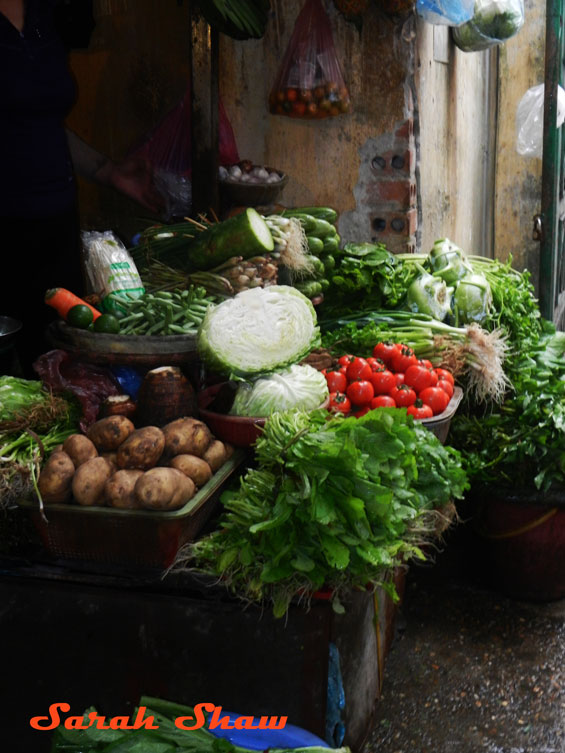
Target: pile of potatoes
{"x":118,"y":465}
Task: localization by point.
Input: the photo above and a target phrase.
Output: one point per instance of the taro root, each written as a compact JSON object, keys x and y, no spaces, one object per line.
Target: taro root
{"x":118,"y":405}
{"x":164,"y":395}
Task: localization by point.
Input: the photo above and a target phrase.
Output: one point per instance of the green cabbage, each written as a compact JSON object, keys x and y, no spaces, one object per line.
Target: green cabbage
{"x":300,"y":387}
{"x":258,"y":331}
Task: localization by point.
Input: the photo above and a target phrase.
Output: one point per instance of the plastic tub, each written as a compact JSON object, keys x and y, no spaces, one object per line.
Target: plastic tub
{"x":241,"y":431}
{"x":146,"y":538}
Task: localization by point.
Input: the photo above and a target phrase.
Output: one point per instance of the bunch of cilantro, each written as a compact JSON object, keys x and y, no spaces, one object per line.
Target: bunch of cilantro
{"x":334,"y":503}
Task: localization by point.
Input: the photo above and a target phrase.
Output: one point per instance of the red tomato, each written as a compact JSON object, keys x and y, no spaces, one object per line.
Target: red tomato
{"x":445,"y":374}
{"x":362,"y":412}
{"x":383,"y":401}
{"x":426,"y":363}
{"x":434,"y":378}
{"x":420,"y":410}
{"x":375,"y":363}
{"x":298,"y":109}
{"x":336,"y":380}
{"x":399,"y":378}
{"x":402,"y":359}
{"x":418,"y":377}
{"x":383,"y":381}
{"x":345,"y":360}
{"x":339,"y":403}
{"x":436,"y":398}
{"x":385,"y":351}
{"x":446,"y":386}
{"x":358,"y":369}
{"x":403,"y":395}
{"x":360,"y":392}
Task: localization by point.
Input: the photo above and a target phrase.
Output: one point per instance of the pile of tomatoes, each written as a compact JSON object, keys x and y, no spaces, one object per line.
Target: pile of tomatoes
{"x":393,"y":378}
{"x":322,"y":101}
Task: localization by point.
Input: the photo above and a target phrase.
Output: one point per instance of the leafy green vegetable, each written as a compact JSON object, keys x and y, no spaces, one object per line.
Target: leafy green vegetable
{"x":333,"y":502}
{"x":32,"y":422}
{"x":258,"y":331}
{"x":297,"y":387}
{"x":367,"y":272}
{"x":521,"y":444}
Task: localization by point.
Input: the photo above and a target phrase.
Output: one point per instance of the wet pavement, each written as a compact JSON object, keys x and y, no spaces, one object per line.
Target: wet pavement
{"x":470,"y":669}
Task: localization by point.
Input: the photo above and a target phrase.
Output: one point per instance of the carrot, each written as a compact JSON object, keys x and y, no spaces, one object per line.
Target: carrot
{"x":62,"y":300}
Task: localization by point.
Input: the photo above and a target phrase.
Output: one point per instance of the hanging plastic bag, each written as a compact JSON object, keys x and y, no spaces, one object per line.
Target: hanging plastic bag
{"x":493,"y":22}
{"x":168,"y":148}
{"x":445,"y":12}
{"x":309,"y":83}
{"x":529,"y":120}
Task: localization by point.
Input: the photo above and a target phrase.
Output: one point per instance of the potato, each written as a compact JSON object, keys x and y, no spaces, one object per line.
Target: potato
{"x":230,"y":449}
{"x":109,"y":433}
{"x":119,"y":490}
{"x":79,"y":448}
{"x":89,"y":482}
{"x":112,"y":459}
{"x":186,"y":436}
{"x":215,"y":455}
{"x":142,"y":449}
{"x":195,"y":468}
{"x":56,"y":478}
{"x":163,"y":489}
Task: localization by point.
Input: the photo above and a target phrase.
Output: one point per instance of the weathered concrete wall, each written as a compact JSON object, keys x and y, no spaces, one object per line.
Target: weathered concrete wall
{"x":454,"y":154}
{"x":518,"y":178}
{"x":330,"y":162}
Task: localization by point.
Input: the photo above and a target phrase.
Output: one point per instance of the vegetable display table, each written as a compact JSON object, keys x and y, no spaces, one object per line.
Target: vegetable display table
{"x":104,"y":639}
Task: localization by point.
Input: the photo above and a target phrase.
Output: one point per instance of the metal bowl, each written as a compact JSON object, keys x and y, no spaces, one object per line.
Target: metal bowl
{"x":9,"y":328}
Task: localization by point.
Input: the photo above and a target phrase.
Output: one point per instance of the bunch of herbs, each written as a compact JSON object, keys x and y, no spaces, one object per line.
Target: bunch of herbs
{"x":335,"y":503}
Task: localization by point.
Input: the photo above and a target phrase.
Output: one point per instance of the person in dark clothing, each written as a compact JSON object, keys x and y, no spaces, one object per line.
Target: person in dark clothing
{"x":39,"y":225}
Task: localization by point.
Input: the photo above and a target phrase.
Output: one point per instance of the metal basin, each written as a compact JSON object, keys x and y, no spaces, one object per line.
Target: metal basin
{"x":9,"y":328}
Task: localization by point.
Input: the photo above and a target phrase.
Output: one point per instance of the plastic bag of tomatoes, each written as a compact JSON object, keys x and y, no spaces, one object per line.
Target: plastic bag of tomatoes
{"x":309,"y":83}
{"x":393,"y":377}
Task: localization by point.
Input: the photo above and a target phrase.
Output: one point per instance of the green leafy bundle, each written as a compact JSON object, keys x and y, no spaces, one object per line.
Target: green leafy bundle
{"x":521,"y":444}
{"x":32,"y":422}
{"x":334,"y":503}
{"x":367,"y":272}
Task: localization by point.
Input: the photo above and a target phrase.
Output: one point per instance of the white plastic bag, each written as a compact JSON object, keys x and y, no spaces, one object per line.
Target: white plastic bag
{"x":110,"y":269}
{"x":529,"y":120}
{"x":446,"y":12}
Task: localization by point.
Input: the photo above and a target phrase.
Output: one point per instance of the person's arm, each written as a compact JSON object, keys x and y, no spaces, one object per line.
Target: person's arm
{"x":132,"y":177}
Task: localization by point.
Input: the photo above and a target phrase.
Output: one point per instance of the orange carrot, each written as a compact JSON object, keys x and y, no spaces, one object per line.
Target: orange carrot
{"x":62,"y":300}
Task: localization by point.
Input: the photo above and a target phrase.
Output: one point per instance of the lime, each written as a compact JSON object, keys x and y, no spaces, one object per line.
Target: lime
{"x":80,"y":316}
{"x":107,"y":323}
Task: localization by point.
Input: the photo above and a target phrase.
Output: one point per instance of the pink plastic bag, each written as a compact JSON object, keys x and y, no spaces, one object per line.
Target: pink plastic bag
{"x":168,"y":150}
{"x":310,"y":83}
